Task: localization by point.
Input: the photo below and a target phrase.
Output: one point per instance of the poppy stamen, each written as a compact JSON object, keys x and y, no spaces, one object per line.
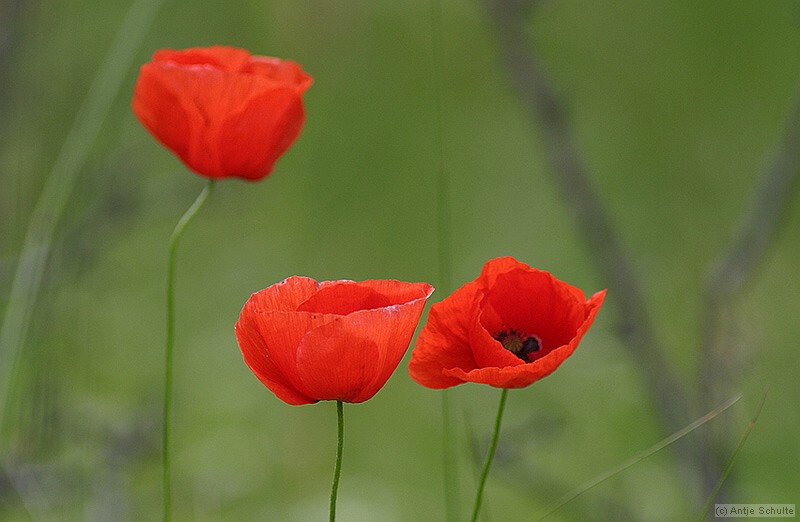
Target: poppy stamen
{"x":518,"y":343}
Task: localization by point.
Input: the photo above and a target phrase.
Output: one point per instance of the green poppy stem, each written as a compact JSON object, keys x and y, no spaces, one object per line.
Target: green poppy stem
{"x":338,"y":470}
{"x":173,"y":246}
{"x":489,"y":455}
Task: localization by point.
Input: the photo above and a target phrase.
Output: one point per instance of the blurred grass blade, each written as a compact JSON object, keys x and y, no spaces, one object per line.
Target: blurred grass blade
{"x":59,"y":184}
{"x":638,"y":457}
{"x":449,"y":457}
{"x":732,"y":461}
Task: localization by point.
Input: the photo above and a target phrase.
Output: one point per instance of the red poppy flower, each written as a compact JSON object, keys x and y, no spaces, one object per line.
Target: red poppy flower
{"x":223,"y":111}
{"x":335,"y":340}
{"x":510,"y":327}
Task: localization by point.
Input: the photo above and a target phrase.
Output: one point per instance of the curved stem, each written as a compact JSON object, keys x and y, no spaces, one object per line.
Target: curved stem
{"x":338,"y":470}
{"x":173,"y":245}
{"x":489,"y":455}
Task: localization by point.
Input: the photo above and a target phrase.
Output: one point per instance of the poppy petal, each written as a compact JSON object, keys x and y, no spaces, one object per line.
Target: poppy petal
{"x":242,"y":146}
{"x":497,"y":266}
{"x":158,"y":106}
{"x":444,"y":340}
{"x":285,"y":296}
{"x":267,"y":326}
{"x":536,"y":303}
{"x":487,"y":350}
{"x":346,"y":297}
{"x":336,"y":363}
{"x":256,"y":355}
{"x":352,"y":357}
{"x":283,"y":72}
{"x":508,"y":377}
{"x":221,"y":57}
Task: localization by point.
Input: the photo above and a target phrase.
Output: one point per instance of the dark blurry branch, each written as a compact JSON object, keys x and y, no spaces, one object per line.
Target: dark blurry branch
{"x":570,"y":174}
{"x":734,"y":266}
{"x":769,"y":201}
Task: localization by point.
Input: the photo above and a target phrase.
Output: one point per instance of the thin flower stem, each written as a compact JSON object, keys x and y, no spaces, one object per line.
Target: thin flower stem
{"x":489,"y":455}
{"x":338,"y":470}
{"x":173,"y":246}
{"x":589,"y":484}
{"x":732,"y":461}
{"x":449,"y":460}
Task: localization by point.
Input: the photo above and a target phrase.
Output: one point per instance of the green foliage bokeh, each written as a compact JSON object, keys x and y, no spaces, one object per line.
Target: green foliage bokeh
{"x":676,"y":106}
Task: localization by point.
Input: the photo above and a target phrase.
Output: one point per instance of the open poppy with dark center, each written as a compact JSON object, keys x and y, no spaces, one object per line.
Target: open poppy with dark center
{"x":335,"y":340}
{"x":222,"y":111}
{"x":510,"y":327}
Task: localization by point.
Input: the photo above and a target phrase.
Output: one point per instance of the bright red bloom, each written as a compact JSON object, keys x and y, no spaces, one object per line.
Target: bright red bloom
{"x":510,"y":327}
{"x":223,"y":111}
{"x":335,"y":340}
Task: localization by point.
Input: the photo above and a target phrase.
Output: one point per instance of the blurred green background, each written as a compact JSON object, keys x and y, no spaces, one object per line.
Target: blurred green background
{"x":676,"y":107}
